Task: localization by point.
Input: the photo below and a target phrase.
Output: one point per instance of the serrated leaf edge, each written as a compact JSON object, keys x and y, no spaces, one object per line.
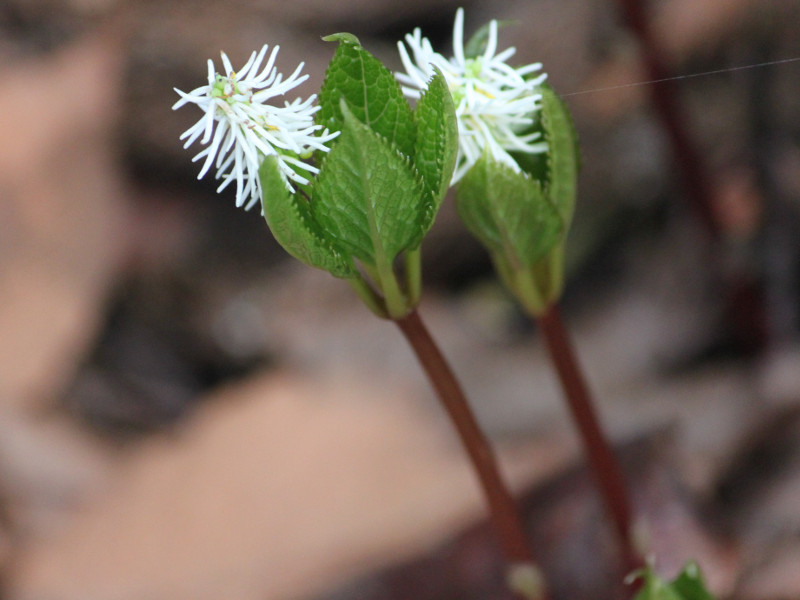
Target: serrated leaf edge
{"x":404,"y":159}
{"x":343,"y":266}
{"x":547,"y":125}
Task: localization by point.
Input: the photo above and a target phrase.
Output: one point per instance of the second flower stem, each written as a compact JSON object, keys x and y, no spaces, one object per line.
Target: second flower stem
{"x":504,"y":515}
{"x":604,"y":464}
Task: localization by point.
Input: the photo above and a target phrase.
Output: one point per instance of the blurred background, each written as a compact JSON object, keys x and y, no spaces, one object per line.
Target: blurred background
{"x":187,"y":414}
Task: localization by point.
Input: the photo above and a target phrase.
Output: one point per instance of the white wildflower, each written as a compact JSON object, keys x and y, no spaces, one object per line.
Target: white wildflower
{"x":240,"y":129}
{"x":495,"y":103}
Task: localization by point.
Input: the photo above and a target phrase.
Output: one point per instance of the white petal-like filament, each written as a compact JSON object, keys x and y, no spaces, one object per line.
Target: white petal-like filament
{"x":496,"y":104}
{"x":239,"y":129}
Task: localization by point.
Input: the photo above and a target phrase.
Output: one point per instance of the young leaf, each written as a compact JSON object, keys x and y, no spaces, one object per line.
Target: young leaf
{"x":564,"y":159}
{"x":655,"y":589}
{"x":688,"y":585}
{"x":371,"y":92}
{"x":508,"y":212}
{"x":367,"y":194}
{"x":290,"y":221}
{"x":436,"y":146}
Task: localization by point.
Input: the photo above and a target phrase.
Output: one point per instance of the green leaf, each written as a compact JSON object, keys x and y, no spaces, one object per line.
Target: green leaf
{"x":655,"y":589}
{"x":508,"y":212}
{"x":371,"y":92}
{"x":563,"y":154}
{"x":437,"y":145}
{"x":290,"y":221}
{"x":688,"y":585}
{"x":367,"y":195}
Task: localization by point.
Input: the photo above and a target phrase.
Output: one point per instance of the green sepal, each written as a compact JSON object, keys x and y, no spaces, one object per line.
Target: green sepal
{"x":367,"y":194}
{"x":508,"y":212}
{"x":371,"y":91}
{"x":688,"y":585}
{"x":436,"y":147}
{"x":291,"y":223}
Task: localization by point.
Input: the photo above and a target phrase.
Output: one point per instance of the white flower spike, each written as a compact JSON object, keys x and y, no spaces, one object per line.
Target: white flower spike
{"x":495,"y":103}
{"x":240,"y":129}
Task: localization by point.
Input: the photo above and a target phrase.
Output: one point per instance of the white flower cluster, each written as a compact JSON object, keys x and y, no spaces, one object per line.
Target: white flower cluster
{"x":495,"y":103}
{"x":240,"y":129}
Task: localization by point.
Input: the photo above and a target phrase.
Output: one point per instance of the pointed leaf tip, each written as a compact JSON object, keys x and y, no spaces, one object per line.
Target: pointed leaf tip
{"x":343,"y":37}
{"x":372,"y":94}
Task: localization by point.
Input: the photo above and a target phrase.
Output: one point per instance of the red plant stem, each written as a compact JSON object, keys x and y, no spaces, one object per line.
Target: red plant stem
{"x":745,"y":299}
{"x":604,"y":464}
{"x":505,"y":518}
{"x":691,"y":164}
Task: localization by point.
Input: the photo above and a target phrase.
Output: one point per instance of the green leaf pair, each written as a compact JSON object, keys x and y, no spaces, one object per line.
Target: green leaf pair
{"x":523,"y":217}
{"x":379,"y":188}
{"x":688,"y":585}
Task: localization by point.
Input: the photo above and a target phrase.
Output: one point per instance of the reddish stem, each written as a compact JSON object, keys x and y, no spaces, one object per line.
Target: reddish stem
{"x":745,"y":300}
{"x":505,"y":517}
{"x":604,"y":464}
{"x":691,"y":164}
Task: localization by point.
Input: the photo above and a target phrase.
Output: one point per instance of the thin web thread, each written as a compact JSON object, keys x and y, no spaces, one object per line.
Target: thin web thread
{"x":677,"y":77}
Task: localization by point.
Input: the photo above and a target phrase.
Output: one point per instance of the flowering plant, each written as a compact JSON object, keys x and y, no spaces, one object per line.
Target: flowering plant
{"x":375,"y":194}
{"x":363,"y":217}
{"x":517,"y":164}
{"x":380,"y":187}
{"x":500,"y":135}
